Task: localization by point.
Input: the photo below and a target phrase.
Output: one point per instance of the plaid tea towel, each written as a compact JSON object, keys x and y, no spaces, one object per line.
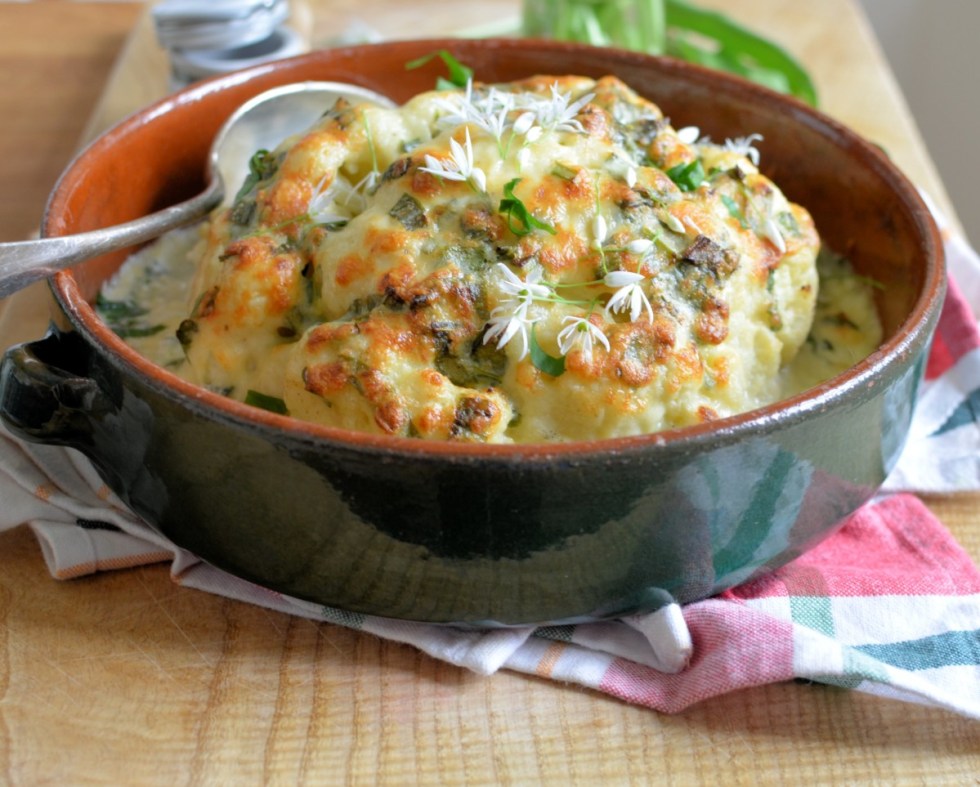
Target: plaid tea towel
{"x":889,"y":604}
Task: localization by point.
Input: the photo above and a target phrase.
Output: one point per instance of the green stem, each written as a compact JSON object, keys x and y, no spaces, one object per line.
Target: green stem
{"x":740,"y":50}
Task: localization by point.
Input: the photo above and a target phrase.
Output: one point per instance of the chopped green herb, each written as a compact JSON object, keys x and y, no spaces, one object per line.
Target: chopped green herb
{"x":481,"y":367}
{"x":563,"y":171}
{"x":734,"y":211}
{"x":138,"y":331}
{"x":242,"y":212}
{"x":842,"y":320}
{"x":459,"y":74}
{"x":271,"y":403}
{"x":473,"y":258}
{"x":262,"y":165}
{"x":398,"y":168}
{"x":123,"y":317}
{"x":519,"y":218}
{"x":360,"y":308}
{"x":117,"y":310}
{"x":408,"y":211}
{"x":788,"y":222}
{"x":687,"y":176}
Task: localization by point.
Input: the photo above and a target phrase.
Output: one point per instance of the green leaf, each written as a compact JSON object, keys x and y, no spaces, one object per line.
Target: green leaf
{"x":519,"y":218}
{"x":409,"y":212}
{"x":271,"y":403}
{"x":673,"y":27}
{"x":262,"y":165}
{"x":564,"y":172}
{"x":687,"y":176}
{"x":117,"y":310}
{"x":735,"y":49}
{"x":459,"y":74}
{"x":137,"y":331}
{"x":123,"y":318}
{"x":734,"y":211}
{"x":544,"y":362}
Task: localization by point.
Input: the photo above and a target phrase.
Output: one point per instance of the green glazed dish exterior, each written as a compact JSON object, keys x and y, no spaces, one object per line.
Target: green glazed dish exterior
{"x":473,"y":534}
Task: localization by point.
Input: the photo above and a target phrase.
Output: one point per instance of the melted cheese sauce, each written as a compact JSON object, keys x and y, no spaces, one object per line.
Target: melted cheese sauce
{"x":405,"y":272}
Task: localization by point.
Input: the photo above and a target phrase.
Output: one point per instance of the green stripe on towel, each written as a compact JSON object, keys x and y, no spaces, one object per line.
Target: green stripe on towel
{"x":940,"y":650}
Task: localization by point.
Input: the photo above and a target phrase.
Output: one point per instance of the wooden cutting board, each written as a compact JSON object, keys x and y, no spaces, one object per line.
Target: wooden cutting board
{"x":126,"y":678}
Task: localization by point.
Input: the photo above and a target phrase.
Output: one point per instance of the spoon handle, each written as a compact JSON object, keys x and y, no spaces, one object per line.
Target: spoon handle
{"x":24,"y":262}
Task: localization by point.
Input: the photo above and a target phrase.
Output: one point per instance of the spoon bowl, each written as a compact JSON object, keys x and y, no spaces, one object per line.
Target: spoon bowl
{"x":265,"y":121}
{"x":261,"y":122}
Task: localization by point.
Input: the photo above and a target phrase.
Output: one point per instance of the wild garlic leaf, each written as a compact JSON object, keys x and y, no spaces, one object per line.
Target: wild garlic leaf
{"x":123,"y":317}
{"x":265,"y":402}
{"x":519,"y":218}
{"x":409,"y":212}
{"x":459,"y":74}
{"x":688,"y":176}
{"x":544,"y":362}
{"x":262,"y":165}
{"x":734,"y":211}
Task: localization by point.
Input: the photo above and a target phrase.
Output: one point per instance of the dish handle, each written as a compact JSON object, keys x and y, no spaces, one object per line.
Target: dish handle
{"x":49,"y":392}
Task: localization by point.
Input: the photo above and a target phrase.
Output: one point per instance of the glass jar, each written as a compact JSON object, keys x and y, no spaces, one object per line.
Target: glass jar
{"x":629,"y":24}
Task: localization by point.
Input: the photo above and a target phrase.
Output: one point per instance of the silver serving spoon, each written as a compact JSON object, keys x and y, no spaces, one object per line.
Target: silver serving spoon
{"x":262,"y":122}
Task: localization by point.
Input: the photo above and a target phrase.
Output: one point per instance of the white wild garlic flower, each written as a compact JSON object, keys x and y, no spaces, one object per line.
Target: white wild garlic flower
{"x":745,"y":146}
{"x":689,"y":135}
{"x":770,"y":229}
{"x":330,"y":205}
{"x":580,"y":332}
{"x":524,"y":123}
{"x":510,"y":319}
{"x":557,"y":114}
{"x":674,"y":224}
{"x":629,"y":295}
{"x":507,"y":321}
{"x":600,"y":229}
{"x":528,"y":289}
{"x":456,"y":108}
{"x":459,"y":166}
{"x":640,"y":247}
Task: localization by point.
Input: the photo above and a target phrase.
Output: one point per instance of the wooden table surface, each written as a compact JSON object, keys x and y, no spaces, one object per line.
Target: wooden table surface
{"x":126,"y":678}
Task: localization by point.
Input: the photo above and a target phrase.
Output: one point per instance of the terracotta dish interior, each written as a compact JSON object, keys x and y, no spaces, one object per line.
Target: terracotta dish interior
{"x":862,"y":206}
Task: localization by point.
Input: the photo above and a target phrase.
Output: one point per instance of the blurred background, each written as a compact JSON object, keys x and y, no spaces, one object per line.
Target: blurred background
{"x":932,"y":47}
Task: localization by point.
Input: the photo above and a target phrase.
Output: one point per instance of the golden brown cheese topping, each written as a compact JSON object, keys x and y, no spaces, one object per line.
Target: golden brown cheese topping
{"x":536,"y":261}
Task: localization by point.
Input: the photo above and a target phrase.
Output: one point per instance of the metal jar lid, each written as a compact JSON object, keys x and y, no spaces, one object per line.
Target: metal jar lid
{"x":208,"y":38}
